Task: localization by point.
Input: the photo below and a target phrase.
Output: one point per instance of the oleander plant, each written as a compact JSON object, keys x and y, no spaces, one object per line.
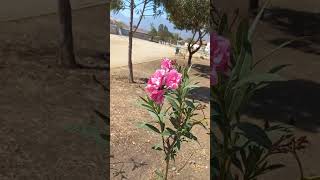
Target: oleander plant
{"x":174,"y":112}
{"x":241,"y":149}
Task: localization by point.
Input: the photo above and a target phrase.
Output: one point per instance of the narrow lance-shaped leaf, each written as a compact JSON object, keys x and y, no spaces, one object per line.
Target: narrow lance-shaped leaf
{"x":256,"y":20}
{"x":259,"y":78}
{"x":278,"y":68}
{"x":276,"y":49}
{"x":157,"y":147}
{"x":148,"y":127}
{"x":255,"y":134}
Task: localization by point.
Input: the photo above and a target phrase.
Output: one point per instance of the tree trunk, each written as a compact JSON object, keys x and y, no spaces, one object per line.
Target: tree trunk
{"x":190,"y":58}
{"x":130,"y":43}
{"x":66,"y":52}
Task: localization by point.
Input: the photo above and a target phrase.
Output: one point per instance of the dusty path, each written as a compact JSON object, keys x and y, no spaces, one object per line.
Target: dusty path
{"x":143,"y":51}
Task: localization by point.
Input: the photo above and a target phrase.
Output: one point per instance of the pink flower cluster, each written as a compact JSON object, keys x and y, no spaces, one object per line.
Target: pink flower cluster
{"x":166,"y":78}
{"x":220,"y":56}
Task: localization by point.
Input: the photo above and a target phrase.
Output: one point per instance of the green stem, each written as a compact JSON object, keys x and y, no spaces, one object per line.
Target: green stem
{"x":167,"y":168}
{"x":299,"y":164}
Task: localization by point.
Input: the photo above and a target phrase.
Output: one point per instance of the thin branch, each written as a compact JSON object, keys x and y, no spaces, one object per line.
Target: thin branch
{"x":141,"y":16}
{"x":139,"y":4}
{"x":199,"y":37}
{"x":191,"y":41}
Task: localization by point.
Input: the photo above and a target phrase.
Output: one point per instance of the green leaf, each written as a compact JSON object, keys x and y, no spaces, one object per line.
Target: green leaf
{"x":246,"y":66}
{"x":190,"y":104}
{"x":235,"y":160}
{"x":178,"y":144}
{"x":168,"y":132}
{"x":256,"y":78}
{"x":243,"y":157}
{"x":148,"y":127}
{"x":274,"y":167}
{"x":160,"y":175}
{"x":255,"y":134}
{"x":172,"y":102}
{"x":276,"y":49}
{"x":242,"y":35}
{"x":190,"y":136}
{"x":278,"y":68}
{"x":157,"y":147}
{"x":223,"y":24}
{"x":171,"y":131}
{"x":148,"y":107}
{"x":256,"y":20}
{"x":155,"y":115}
{"x":236,"y":101}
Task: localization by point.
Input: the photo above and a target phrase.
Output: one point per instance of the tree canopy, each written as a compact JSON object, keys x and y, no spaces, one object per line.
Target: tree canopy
{"x":188,"y":14}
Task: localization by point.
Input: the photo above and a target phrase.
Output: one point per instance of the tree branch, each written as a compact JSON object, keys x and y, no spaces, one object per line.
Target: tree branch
{"x":189,"y":47}
{"x":142,"y":15}
{"x":199,"y":39}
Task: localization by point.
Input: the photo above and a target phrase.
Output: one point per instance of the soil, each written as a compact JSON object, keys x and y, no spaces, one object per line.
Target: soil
{"x":132,"y":156}
{"x":39,"y":100}
{"x":294,"y":102}
{"x":142,"y":51}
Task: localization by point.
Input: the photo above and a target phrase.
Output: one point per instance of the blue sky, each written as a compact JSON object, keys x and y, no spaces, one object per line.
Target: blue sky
{"x":124,"y":16}
{"x":126,"y":13}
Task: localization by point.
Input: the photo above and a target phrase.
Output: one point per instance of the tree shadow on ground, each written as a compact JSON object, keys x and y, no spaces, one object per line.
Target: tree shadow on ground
{"x":93,"y":54}
{"x":201,"y":70}
{"x":294,"y":102}
{"x":201,"y":94}
{"x":296,"y":24}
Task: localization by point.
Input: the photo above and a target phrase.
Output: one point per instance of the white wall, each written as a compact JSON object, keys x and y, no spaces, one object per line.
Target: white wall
{"x":16,"y":9}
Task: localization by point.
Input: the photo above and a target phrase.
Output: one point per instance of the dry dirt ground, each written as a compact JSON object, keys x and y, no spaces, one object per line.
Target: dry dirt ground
{"x":38,"y":99}
{"x":297,"y":99}
{"x":132,"y":156}
{"x":142,"y":51}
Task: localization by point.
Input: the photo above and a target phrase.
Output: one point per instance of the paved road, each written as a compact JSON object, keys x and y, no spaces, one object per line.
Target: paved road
{"x":143,"y":51}
{"x":16,"y":9}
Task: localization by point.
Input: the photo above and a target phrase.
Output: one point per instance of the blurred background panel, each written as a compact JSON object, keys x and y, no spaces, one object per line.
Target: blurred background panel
{"x":16,"y":9}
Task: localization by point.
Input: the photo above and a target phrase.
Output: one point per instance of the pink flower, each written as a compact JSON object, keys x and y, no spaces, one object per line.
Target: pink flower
{"x":157,"y":96}
{"x":173,"y":79}
{"x":156,"y":81}
{"x":220,"y":53}
{"x":166,"y":64}
{"x":162,"y":80}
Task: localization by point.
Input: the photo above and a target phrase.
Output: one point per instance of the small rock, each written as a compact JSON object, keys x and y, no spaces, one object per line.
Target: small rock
{"x":192,"y":162}
{"x":173,"y":168}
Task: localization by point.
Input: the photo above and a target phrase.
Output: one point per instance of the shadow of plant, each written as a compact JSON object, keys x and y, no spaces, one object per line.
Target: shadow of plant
{"x":120,"y":172}
{"x":298,"y":24}
{"x":202,"y":70}
{"x":293,"y":102}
